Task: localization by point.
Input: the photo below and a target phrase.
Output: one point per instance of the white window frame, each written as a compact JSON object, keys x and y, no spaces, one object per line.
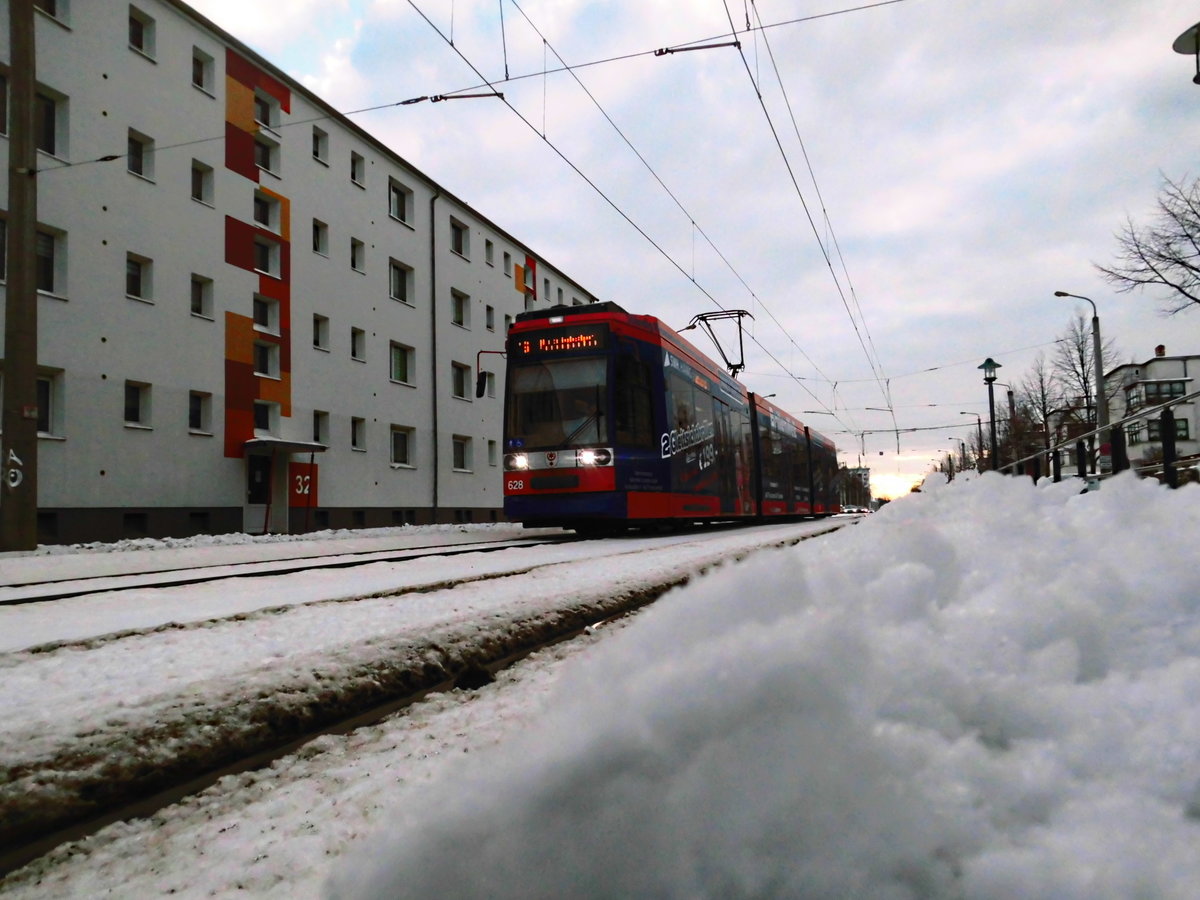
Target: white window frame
{"x":140,"y":162}
{"x":146,"y":21}
{"x":396,"y":349}
{"x":409,"y":456}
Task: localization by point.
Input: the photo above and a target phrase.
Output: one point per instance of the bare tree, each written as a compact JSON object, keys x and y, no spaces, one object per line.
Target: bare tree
{"x":1040,"y":395}
{"x":1164,"y":253}
{"x":1073,"y":365}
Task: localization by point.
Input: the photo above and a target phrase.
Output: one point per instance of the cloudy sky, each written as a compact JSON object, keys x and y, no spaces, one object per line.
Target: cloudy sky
{"x":925,"y":173}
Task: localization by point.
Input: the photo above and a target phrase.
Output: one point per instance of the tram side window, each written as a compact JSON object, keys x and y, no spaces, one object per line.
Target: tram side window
{"x":800,"y":470}
{"x":634,"y":411}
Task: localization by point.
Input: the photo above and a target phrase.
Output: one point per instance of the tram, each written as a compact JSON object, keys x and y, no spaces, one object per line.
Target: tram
{"x":613,"y":420}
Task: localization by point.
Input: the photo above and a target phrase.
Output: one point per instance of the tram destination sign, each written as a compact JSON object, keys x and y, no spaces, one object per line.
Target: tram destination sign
{"x":555,"y":341}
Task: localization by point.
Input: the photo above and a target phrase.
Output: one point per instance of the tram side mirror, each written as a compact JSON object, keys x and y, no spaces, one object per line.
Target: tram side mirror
{"x":480,"y":384}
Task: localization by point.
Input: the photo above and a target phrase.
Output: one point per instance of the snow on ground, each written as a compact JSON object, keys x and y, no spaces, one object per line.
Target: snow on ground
{"x":986,"y":690}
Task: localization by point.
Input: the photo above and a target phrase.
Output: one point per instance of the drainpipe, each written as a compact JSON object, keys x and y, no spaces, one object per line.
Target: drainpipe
{"x":433,"y":354}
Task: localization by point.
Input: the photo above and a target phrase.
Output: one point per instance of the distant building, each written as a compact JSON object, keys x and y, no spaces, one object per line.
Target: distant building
{"x":856,"y":487}
{"x":1143,"y":386}
{"x":253,"y":315}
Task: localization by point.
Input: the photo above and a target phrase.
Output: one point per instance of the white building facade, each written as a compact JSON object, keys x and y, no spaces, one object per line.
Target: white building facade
{"x":252,"y":314}
{"x":1144,"y":386}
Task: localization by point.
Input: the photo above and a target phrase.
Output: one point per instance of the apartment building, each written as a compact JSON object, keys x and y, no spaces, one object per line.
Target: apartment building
{"x":253,"y":316}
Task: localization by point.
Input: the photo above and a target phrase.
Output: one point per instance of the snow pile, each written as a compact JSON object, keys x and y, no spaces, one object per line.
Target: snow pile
{"x":986,"y":690}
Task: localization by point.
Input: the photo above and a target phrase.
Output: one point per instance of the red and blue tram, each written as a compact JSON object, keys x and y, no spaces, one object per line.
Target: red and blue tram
{"x":613,"y":420}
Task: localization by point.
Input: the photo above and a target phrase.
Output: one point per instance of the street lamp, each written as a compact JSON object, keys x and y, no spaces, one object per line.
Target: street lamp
{"x":989,"y":367}
{"x":1098,"y":365}
{"x":962,"y":446}
{"x":979,"y":425}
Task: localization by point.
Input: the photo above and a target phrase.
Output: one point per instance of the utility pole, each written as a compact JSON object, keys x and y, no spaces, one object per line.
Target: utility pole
{"x":18,"y":444}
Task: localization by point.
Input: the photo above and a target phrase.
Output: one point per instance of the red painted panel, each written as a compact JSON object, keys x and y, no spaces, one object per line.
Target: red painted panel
{"x":302,"y":485}
{"x":244,"y":71}
{"x":239,"y":243}
{"x":239,"y":152}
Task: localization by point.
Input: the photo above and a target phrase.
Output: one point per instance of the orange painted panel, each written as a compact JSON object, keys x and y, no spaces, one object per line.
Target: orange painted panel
{"x":239,"y":105}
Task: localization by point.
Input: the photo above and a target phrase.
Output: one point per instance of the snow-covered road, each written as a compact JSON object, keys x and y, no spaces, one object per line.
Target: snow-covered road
{"x":116,"y":694}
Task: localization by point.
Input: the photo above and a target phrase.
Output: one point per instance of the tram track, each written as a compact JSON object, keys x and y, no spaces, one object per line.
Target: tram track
{"x":44,"y":591}
{"x":184,"y":746}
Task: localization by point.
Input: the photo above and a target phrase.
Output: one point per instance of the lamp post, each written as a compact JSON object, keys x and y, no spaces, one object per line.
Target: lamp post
{"x":979,"y":425}
{"x":989,"y":367}
{"x":962,"y":448}
{"x":1098,"y":365}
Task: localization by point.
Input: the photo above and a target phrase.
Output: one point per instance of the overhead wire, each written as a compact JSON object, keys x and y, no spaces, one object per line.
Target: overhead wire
{"x":675,"y":199}
{"x":804,"y":203}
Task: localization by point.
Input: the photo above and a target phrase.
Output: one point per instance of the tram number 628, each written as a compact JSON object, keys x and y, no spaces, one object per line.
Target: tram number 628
{"x":515,"y":484}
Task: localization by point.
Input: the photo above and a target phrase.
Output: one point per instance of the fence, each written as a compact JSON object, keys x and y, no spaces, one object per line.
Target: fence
{"x":1168,"y":470}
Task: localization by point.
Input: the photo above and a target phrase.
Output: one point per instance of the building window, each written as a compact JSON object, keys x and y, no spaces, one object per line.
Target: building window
{"x":489,"y":313}
{"x":402,"y":446}
{"x":48,"y":125}
{"x":266,"y":359}
{"x":266,"y":257}
{"x":1161,"y":391}
{"x":489,"y":253}
{"x":266,"y":110}
{"x":546,"y":289}
{"x":399,"y":201}
{"x":202,"y":182}
{"x":266,"y":154}
{"x":507,"y":263}
{"x":138,"y":277}
{"x":358,"y":433}
{"x":559,"y":296}
{"x":199,"y":412}
{"x":49,"y":262}
{"x":459,"y":380}
{"x":265,"y":416}
{"x":140,"y":155}
{"x":320,"y":145}
{"x":358,"y":255}
{"x":460,"y":309}
{"x":489,"y":379}
{"x":320,"y":237}
{"x":1154,"y":427}
{"x":461,"y":449}
{"x":141,"y":32}
{"x":320,"y":426}
{"x":459,"y":238}
{"x":401,"y":363}
{"x":46,"y":407}
{"x":320,"y":332}
{"x":358,"y":344}
{"x":266,"y":210}
{"x":399,"y":281}
{"x":266,"y":314}
{"x":137,"y":403}
{"x":202,"y":70}
{"x":202,"y":296}
{"x":55,"y":9}
{"x":358,"y":169}
{"x":493,"y":454}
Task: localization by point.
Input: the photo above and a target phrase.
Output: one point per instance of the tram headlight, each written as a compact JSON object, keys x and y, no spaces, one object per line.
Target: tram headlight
{"x":517,"y":461}
{"x":594,"y":457}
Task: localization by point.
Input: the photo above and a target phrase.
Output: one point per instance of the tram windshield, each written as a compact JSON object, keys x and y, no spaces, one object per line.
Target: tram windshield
{"x":558,"y":403}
